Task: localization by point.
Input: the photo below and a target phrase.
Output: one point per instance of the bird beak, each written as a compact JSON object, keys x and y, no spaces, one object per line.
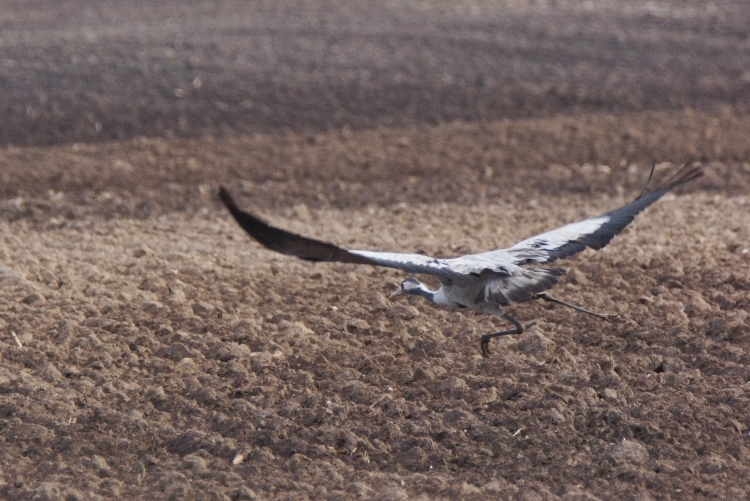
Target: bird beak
{"x":395,"y":294}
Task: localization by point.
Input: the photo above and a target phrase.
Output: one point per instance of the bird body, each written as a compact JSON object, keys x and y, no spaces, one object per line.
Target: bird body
{"x":485,"y":281}
{"x":451,"y":293}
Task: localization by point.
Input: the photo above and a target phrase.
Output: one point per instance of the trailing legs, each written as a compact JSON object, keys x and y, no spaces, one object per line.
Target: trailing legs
{"x":486,"y":338}
{"x":519,"y":328}
{"x":603,"y":316}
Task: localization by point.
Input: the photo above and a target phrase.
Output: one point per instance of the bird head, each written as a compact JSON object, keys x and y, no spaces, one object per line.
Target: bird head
{"x":409,"y":286}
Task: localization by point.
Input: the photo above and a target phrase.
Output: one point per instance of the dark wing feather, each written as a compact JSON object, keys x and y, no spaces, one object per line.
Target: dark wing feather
{"x":314,"y":250}
{"x":285,"y":242}
{"x":599,"y":231}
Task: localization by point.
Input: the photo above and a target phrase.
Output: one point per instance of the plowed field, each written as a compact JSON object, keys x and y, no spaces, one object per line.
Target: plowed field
{"x":150,"y":350}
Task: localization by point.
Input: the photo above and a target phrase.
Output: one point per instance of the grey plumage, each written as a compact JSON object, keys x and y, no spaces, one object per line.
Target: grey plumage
{"x":484,"y":281}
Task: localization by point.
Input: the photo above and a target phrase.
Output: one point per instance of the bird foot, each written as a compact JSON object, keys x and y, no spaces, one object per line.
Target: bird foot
{"x":485,"y":344}
{"x":612,"y":317}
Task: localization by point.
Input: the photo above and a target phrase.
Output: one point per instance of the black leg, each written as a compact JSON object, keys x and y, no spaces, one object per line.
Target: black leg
{"x":605,"y":316}
{"x":486,"y":338}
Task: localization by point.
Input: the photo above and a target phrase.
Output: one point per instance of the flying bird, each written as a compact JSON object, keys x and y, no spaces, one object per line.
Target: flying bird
{"x":486,"y":281}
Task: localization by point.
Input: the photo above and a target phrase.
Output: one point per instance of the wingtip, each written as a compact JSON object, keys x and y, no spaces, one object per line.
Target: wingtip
{"x":688,"y":172}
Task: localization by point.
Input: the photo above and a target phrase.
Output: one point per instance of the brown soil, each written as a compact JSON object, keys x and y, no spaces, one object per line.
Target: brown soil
{"x":149,"y":349}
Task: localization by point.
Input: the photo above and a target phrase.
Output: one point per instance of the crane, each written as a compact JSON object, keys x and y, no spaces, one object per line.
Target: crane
{"x":486,"y":281}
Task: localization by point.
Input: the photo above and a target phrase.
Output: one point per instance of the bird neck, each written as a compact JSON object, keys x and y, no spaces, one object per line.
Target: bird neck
{"x":425,"y":293}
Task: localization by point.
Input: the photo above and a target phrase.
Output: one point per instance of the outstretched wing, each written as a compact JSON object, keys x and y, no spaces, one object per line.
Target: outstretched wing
{"x":314,"y":250}
{"x":597,"y":231}
{"x":547,"y":247}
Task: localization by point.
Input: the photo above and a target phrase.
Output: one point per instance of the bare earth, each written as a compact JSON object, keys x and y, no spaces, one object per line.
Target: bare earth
{"x":150,"y":350}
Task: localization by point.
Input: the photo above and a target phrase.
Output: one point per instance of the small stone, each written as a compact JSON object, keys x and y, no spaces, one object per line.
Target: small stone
{"x":484,"y":396}
{"x":194,"y":462}
{"x":357,"y":326}
{"x":457,"y":417}
{"x":294,"y":330}
{"x":99,"y":464}
{"x":423,"y":374}
{"x":206,"y":396}
{"x":151,"y":307}
{"x":696,"y":305}
{"x":176,"y":351}
{"x":538,"y":346}
{"x":629,"y":451}
{"x":610,"y":394}
{"x":666,"y":466}
{"x":127,"y":294}
{"x":50,"y":373}
{"x":177,"y":297}
{"x":713,"y":464}
{"x":556,"y":417}
{"x":613,"y":417}
{"x":229,"y":351}
{"x":261,"y":360}
{"x":203,"y":310}
{"x":156,"y":394}
{"x":671,"y":364}
{"x":262,"y":454}
{"x":51,"y":280}
{"x":453,"y":384}
{"x":185,"y":365}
